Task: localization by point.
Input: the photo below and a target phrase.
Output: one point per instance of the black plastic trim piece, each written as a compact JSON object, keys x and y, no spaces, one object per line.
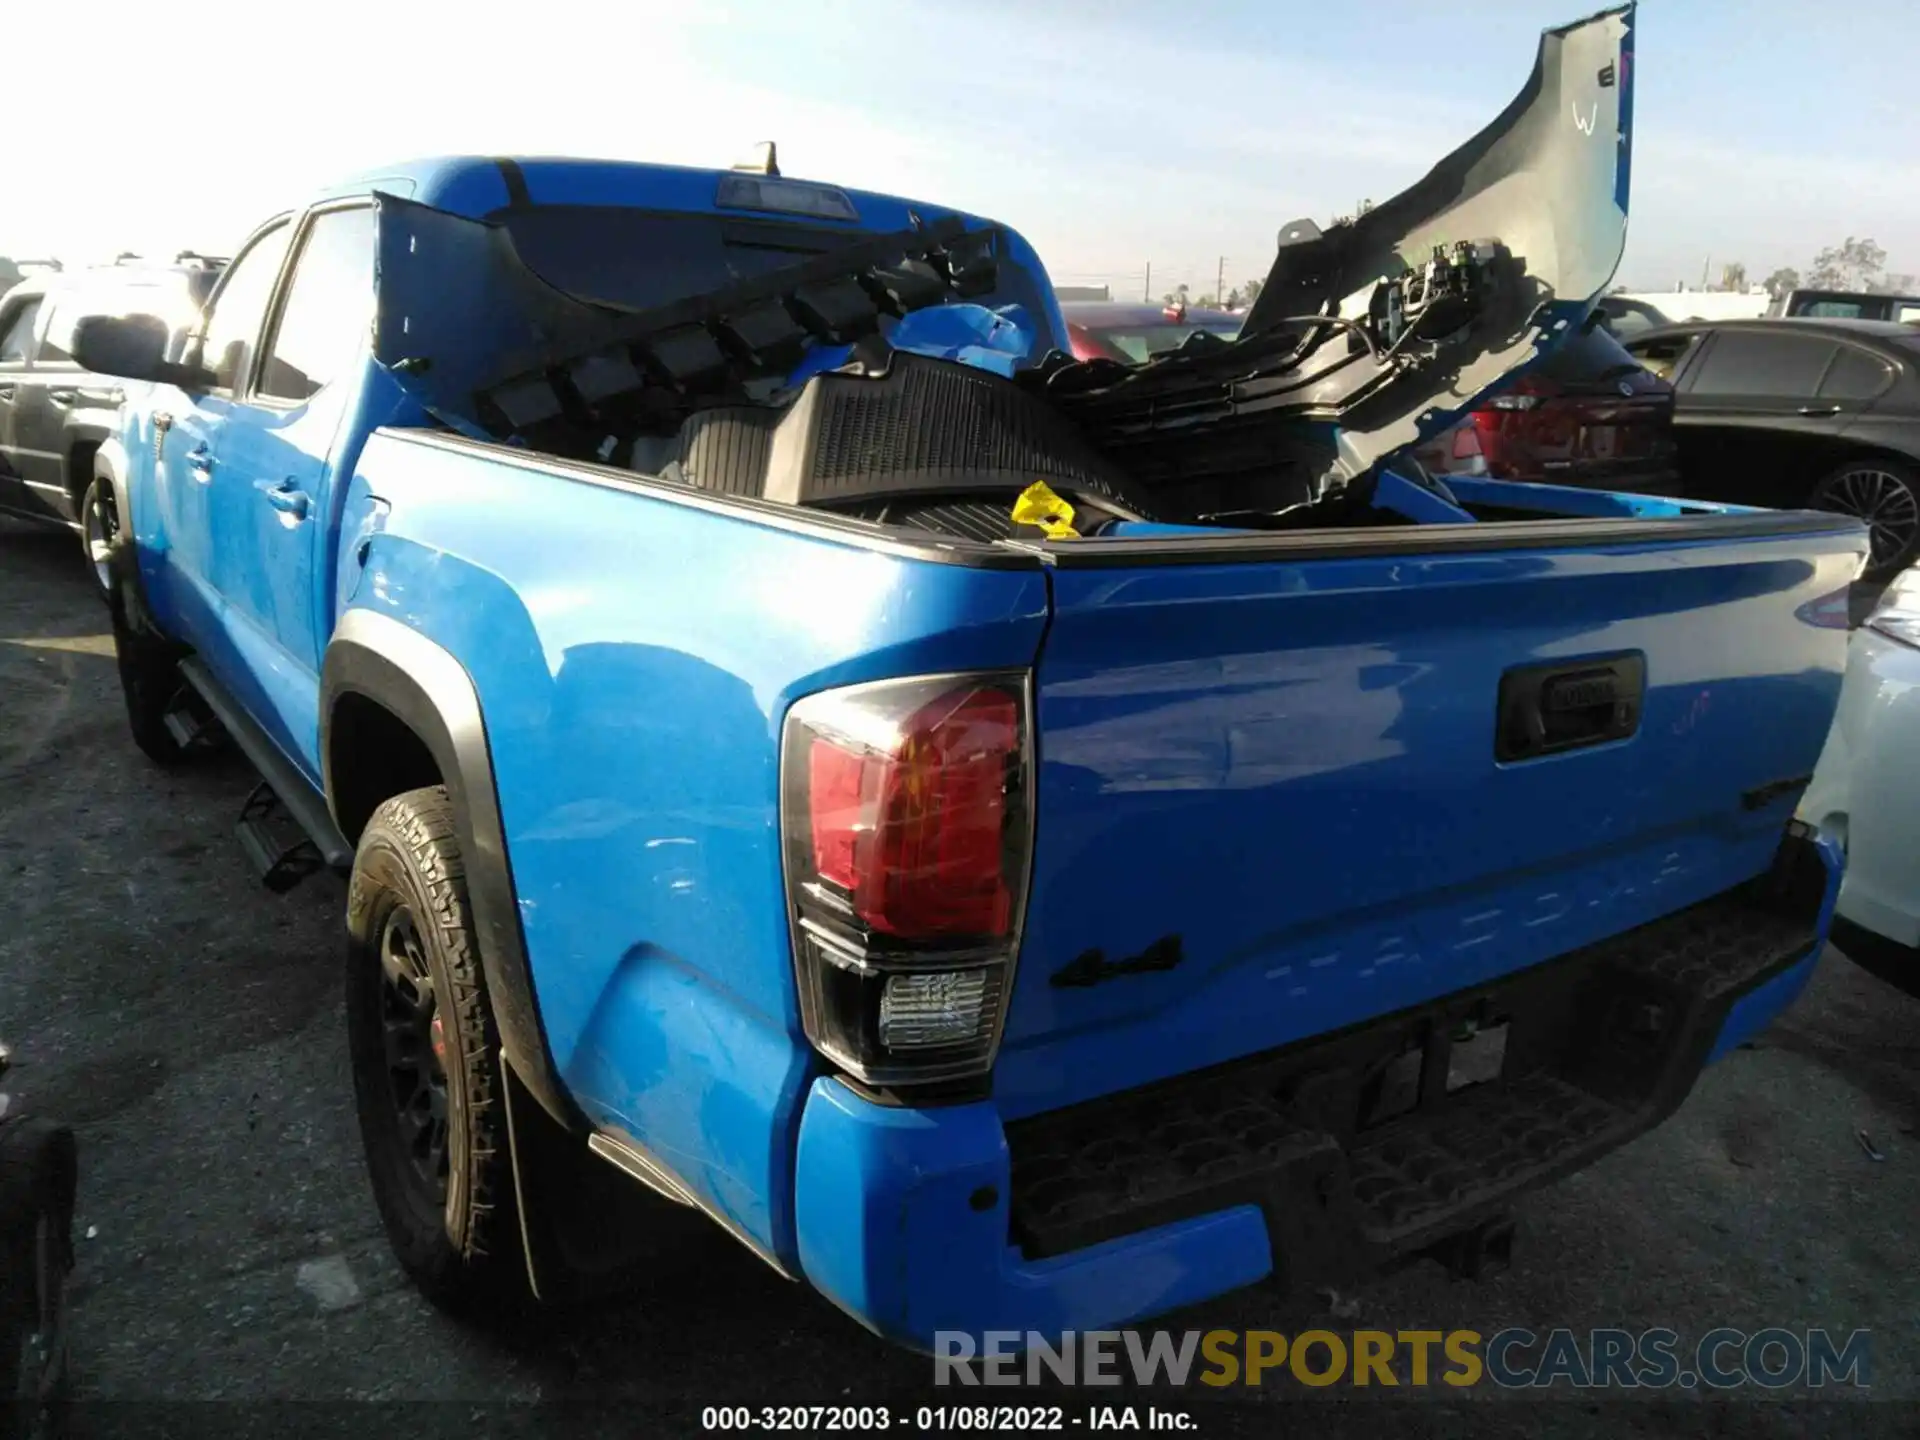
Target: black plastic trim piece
{"x":1568,"y":704}
{"x":1492,"y":535}
{"x":429,"y":691}
{"x":515,"y":179}
{"x":1488,"y":535}
{"x":1596,"y":1046}
{"x":305,"y":804}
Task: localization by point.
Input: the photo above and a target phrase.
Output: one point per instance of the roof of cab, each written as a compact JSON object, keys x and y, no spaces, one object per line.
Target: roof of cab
{"x":479,"y":185}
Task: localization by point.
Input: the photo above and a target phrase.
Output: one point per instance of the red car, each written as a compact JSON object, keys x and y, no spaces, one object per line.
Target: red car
{"x":1133,"y":334}
{"x":1589,"y":414}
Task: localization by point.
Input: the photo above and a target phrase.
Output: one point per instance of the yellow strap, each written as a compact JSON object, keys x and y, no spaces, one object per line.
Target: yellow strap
{"x":1038,"y":505}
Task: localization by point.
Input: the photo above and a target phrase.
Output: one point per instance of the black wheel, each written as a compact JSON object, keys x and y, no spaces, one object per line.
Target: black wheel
{"x":1887,"y":496}
{"x":426,"y":1071}
{"x":99,"y":532}
{"x":37,"y":1180}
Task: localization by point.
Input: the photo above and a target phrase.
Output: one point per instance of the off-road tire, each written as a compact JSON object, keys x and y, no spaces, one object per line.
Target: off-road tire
{"x":465,"y":1251}
{"x":99,"y":518}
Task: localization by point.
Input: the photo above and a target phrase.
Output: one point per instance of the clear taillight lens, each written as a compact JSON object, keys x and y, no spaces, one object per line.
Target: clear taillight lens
{"x":907,"y":823}
{"x":1897,"y":616}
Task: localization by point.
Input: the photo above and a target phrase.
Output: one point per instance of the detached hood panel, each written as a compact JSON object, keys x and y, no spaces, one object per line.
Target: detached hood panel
{"x":1430,"y":299}
{"x":1367,"y":336}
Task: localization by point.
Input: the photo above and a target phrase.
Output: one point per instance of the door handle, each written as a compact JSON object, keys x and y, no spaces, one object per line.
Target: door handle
{"x":1819,"y":409}
{"x":63,"y":397}
{"x":200,"y":462}
{"x":6,"y":392}
{"x":284,"y":496}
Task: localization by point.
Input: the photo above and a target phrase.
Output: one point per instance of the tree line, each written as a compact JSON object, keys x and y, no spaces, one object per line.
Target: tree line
{"x":1855,"y":264}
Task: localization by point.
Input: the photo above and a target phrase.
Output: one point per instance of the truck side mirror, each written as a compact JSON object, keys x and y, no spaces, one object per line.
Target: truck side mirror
{"x":132,"y":347}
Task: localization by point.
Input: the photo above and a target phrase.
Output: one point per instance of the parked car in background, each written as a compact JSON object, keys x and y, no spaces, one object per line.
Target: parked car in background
{"x":1850,"y":305}
{"x":1800,"y":413}
{"x":1866,"y":792}
{"x":1589,"y":414}
{"x":1134,"y":334}
{"x":53,"y":414}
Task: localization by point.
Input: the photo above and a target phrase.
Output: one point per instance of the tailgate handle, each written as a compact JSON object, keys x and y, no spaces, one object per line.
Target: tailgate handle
{"x":1547,"y":709}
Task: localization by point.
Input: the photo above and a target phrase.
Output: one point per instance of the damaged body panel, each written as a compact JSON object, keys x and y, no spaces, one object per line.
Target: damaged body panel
{"x":1384,"y":327}
{"x":1368,"y":335}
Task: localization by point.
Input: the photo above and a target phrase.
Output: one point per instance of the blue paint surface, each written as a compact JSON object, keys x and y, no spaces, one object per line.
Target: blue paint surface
{"x":1290,"y":766}
{"x":634,"y":657}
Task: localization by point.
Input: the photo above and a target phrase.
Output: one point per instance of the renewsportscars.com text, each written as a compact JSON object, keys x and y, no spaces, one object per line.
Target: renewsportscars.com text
{"x":1513,"y":1358}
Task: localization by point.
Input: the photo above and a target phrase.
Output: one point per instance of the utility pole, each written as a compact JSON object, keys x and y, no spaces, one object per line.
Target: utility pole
{"x":1147,"y":298}
{"x":1220,"y":283}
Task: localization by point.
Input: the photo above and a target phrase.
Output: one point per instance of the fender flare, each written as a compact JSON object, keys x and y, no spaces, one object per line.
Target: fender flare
{"x":427,"y":689}
{"x":126,"y":598}
{"x":110,"y":465}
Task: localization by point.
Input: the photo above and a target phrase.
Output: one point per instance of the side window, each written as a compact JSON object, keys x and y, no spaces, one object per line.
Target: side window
{"x":233,"y":326}
{"x":1855,"y":375}
{"x":57,"y":347}
{"x":1748,"y":362}
{"x":1835,"y":309}
{"x":327,"y":309}
{"x":16,"y":332}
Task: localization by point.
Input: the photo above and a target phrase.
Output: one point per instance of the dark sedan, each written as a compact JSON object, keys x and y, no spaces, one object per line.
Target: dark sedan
{"x":1589,"y":414}
{"x":1800,"y":413}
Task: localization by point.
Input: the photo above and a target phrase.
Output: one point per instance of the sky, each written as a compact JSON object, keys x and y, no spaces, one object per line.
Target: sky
{"x":1114,"y":133}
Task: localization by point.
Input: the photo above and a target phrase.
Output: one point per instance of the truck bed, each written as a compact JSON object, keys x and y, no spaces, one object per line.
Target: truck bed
{"x":1277,"y":758}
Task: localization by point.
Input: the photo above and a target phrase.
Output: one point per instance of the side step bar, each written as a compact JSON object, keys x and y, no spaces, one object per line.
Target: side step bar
{"x":285,"y":789}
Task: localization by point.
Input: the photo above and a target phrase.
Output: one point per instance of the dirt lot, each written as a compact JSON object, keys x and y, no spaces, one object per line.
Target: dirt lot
{"x":188,"y":1022}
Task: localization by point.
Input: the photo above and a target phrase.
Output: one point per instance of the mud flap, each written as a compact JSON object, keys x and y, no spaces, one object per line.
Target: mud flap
{"x":587,"y":1229}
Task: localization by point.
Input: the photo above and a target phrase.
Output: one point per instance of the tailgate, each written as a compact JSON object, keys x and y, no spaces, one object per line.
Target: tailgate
{"x":1286,"y":791}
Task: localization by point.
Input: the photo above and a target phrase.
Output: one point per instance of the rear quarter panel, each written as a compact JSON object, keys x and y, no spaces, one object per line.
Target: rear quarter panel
{"x":634,"y":658}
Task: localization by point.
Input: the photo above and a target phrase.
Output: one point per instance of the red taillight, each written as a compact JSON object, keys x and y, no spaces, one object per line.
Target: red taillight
{"x":1526,"y":393}
{"x":1088,"y":346}
{"x":907,"y":825}
{"x":916,"y":838}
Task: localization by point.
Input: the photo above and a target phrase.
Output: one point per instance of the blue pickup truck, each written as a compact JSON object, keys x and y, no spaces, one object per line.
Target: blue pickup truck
{"x":1018,"y":842}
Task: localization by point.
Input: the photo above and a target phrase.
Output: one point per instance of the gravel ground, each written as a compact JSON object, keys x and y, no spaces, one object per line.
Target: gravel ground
{"x":188,"y":1023}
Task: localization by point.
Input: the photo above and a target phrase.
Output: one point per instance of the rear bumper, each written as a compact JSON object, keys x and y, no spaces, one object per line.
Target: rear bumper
{"x":921,"y":1221}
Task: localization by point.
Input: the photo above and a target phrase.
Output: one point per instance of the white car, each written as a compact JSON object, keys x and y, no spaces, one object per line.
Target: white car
{"x":1866,"y":790}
